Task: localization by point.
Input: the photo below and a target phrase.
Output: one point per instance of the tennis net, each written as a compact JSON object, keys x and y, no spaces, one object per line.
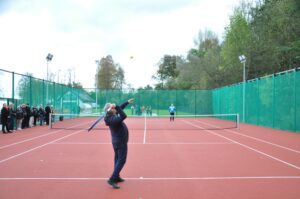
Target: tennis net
{"x":162,"y":122}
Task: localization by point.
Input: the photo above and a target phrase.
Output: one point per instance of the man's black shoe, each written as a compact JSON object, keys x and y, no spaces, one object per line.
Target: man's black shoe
{"x":120,"y":179}
{"x":113,"y":184}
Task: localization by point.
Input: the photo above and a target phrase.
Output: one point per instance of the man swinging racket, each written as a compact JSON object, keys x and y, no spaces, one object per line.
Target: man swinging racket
{"x":114,"y":118}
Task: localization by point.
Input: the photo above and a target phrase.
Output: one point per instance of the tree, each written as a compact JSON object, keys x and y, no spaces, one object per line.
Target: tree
{"x":236,"y":43}
{"x":109,"y":75}
{"x":167,"y":71}
{"x":212,"y":63}
{"x":77,"y":85}
{"x":201,"y":69}
{"x":119,"y":78}
{"x":275,"y":30}
{"x":23,"y":87}
{"x":148,"y":87}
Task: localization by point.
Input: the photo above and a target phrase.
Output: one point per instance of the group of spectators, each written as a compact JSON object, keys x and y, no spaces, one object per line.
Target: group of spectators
{"x":23,"y":116}
{"x":141,"y":110}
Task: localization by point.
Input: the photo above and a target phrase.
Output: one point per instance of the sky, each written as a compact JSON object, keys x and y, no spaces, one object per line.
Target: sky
{"x":79,"y":32}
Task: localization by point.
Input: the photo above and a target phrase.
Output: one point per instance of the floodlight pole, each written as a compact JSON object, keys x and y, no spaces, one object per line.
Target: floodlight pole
{"x":47,"y":70}
{"x":48,"y":58}
{"x":243,"y":61}
{"x":244,"y":89}
{"x":47,"y":82}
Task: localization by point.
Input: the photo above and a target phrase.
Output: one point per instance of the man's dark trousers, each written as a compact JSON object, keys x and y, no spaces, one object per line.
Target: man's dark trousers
{"x":120,"y":159}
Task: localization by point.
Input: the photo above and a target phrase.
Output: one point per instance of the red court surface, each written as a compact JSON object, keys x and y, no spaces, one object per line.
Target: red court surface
{"x":166,"y":162}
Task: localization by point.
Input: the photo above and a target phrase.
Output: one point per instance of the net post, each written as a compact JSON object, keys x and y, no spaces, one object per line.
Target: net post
{"x":50,"y":121}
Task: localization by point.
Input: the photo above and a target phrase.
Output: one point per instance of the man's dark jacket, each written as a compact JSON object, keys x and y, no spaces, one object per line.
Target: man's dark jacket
{"x":118,"y":128}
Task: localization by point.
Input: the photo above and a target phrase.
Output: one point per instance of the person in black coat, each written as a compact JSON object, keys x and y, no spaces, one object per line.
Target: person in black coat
{"x":28,"y":115}
{"x":47,"y":114}
{"x":114,"y":118}
{"x":4,"y":118}
{"x":25,"y":117}
{"x":35,"y":114}
{"x":41,"y":113}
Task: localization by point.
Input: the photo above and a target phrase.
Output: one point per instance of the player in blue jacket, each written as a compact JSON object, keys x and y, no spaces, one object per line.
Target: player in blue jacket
{"x":114,"y":118}
{"x":172,"y":111}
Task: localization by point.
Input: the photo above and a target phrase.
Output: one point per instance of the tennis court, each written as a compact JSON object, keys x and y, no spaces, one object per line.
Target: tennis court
{"x":187,"y":158}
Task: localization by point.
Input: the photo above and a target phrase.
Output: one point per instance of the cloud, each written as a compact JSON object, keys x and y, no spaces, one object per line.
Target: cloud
{"x":77,"y":32}
{"x":77,"y":14}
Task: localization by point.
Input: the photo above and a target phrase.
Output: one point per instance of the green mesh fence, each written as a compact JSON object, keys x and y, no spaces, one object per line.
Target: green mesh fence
{"x":227,"y":99}
{"x":284,"y":94}
{"x":272,"y":101}
{"x":187,"y":102}
{"x":252,"y":98}
{"x":22,"y":89}
{"x":297,"y":101}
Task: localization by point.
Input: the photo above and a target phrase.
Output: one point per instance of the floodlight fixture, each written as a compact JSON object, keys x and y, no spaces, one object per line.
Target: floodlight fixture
{"x":49,"y":57}
{"x":242,"y":58}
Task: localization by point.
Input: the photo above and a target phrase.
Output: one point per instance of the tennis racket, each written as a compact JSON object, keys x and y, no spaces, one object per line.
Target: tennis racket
{"x":97,"y":121}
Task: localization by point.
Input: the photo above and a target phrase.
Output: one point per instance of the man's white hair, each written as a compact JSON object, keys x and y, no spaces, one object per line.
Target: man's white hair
{"x":107,"y":107}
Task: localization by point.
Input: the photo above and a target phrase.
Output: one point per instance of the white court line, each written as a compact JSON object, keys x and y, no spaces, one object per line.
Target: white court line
{"x":166,"y":178}
{"x":27,"y":140}
{"x":3,"y":147}
{"x":254,"y":138}
{"x":248,"y":147}
{"x":149,"y":143}
{"x":32,"y":149}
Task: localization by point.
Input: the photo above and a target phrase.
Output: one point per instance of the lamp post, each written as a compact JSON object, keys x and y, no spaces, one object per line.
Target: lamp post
{"x":242,"y":59}
{"x":48,"y":58}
